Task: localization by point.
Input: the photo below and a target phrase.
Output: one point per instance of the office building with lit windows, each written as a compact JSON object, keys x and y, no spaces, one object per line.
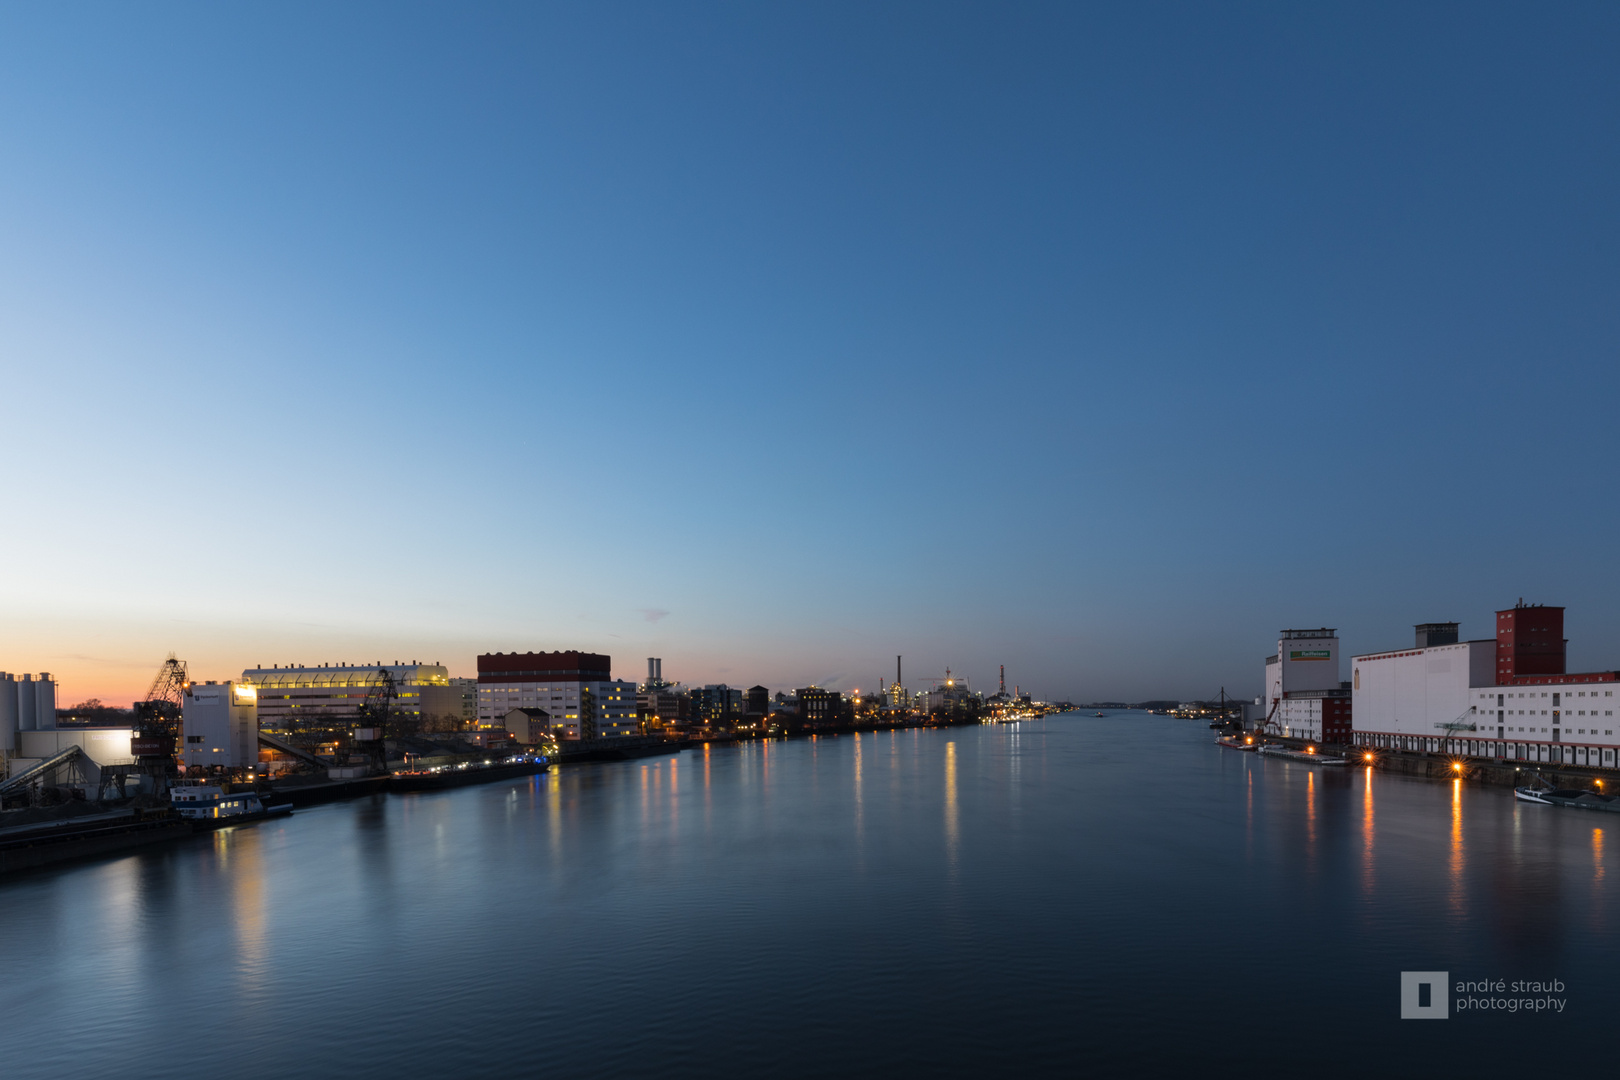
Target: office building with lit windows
{"x":326,"y":698}
{"x":576,"y":689}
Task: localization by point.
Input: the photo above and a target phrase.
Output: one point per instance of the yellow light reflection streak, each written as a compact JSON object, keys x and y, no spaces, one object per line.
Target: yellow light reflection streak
{"x":1310,"y":810}
{"x":952,"y":836}
{"x":674,"y":792}
{"x":554,"y":812}
{"x":1367,"y":833}
{"x":1456,"y":845}
{"x":858,"y":806}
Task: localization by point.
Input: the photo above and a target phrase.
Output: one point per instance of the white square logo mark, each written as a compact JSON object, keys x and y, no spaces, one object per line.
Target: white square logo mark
{"x":1425,"y":995}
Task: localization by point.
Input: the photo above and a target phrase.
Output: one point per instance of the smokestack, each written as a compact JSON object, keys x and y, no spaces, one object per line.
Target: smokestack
{"x":652,"y":670}
{"x":897,"y":680}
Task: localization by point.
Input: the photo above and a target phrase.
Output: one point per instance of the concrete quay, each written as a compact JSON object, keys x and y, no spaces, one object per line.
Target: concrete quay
{"x":1494,"y":771}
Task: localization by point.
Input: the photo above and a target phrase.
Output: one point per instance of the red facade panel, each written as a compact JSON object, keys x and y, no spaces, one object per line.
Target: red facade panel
{"x":1336,"y":720}
{"x":1529,"y":642}
{"x":544,"y":667}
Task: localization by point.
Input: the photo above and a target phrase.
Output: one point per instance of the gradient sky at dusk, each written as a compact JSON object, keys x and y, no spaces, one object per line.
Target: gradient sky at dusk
{"x":1101,"y":341}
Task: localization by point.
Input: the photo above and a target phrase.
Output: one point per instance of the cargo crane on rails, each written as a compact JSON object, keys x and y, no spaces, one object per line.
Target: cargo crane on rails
{"x":1268,"y":724}
{"x":371,"y":736}
{"x":157,"y":725}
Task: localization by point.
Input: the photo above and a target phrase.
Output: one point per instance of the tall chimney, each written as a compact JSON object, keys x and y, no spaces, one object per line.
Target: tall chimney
{"x":897,"y":681}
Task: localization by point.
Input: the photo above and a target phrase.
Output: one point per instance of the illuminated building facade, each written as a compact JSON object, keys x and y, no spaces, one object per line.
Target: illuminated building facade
{"x":716,"y":704}
{"x":326,"y":700}
{"x":576,"y":689}
{"x":820,"y":708}
{"x":219,"y":725}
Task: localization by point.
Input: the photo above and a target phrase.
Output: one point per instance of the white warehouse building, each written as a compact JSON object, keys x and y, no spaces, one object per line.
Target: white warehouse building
{"x":1506,"y":697}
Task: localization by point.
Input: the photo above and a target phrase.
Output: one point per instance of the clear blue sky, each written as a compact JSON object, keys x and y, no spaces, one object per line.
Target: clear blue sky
{"x":1101,"y":341}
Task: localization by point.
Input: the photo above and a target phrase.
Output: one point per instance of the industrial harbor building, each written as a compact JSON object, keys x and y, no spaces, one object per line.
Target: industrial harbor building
{"x":302,"y":701}
{"x":1508,"y":697}
{"x":26,"y":704}
{"x":29,"y":735}
{"x":219,"y":724}
{"x":1305,"y":698}
{"x":819,"y":708}
{"x":576,"y":689}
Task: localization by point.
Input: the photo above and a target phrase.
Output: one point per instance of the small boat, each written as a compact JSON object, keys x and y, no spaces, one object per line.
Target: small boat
{"x":208,"y":806}
{"x":1097,"y":714}
{"x":1576,"y":798}
{"x":1236,"y":744}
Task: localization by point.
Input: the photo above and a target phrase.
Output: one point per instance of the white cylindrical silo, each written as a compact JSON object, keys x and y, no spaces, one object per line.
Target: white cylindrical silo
{"x":8,"y":712}
{"x":44,"y":703}
{"x":25,"y":703}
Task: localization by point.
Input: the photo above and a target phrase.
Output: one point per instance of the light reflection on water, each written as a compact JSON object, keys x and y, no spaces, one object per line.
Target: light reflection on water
{"x":1071,"y":891}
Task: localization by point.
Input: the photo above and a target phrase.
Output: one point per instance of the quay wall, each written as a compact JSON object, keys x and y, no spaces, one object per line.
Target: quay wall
{"x":1497,"y":773}
{"x":31,"y":852}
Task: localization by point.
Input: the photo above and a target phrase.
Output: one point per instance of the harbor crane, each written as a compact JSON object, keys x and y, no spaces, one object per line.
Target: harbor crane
{"x":370,"y":738}
{"x":157,"y":725}
{"x":1224,"y":710}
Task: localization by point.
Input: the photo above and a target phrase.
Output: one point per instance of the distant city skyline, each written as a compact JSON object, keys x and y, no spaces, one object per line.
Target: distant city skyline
{"x":1101,"y":341}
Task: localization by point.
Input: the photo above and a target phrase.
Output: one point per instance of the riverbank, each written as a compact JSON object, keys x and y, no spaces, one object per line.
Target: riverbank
{"x":29,"y":847}
{"x":1491,"y":771}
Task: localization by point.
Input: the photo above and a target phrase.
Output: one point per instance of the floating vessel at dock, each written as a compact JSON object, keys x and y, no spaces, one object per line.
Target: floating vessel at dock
{"x":1577,"y":798}
{"x":625,"y":748}
{"x":1309,"y":757}
{"x":207,"y":806}
{"x":1234,"y":743}
{"x":454,"y":776}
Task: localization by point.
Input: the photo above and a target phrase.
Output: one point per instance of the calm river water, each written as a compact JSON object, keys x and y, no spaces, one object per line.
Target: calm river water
{"x":1073,"y":895}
